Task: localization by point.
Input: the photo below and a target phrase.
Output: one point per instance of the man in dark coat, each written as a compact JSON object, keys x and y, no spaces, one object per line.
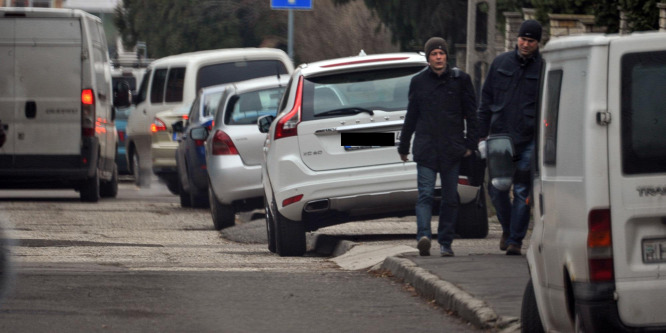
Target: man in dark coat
{"x":508,"y":106}
{"x":442,"y":103}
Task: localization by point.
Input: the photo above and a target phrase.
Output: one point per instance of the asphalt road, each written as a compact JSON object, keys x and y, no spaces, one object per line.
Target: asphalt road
{"x":141,"y":263}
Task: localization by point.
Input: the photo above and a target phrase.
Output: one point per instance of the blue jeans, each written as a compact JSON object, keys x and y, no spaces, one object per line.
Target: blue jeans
{"x":448,"y":208}
{"x":514,"y":216}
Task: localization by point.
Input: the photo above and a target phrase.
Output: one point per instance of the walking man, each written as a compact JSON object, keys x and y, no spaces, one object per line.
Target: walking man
{"x":441,"y":99}
{"x":508,"y":106}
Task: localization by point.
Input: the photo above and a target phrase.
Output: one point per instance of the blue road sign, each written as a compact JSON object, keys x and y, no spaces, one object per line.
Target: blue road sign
{"x":291,"y":4}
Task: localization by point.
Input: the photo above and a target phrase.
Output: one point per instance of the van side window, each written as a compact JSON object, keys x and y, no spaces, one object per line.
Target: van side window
{"x":175,"y":84}
{"x":143,"y":88}
{"x":157,"y":88}
{"x":643,"y":115}
{"x":554,"y":82}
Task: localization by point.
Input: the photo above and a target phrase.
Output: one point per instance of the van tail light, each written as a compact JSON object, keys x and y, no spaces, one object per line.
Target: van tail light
{"x":157,"y":126}
{"x":222,"y":144}
{"x":88,"y":113}
{"x":288,"y":125}
{"x":600,"y":246}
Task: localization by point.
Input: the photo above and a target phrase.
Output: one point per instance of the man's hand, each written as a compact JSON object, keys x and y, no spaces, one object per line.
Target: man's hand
{"x":404,"y":158}
{"x":467,"y":153}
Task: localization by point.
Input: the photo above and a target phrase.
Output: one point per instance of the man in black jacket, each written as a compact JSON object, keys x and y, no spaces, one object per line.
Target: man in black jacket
{"x":441,"y":101}
{"x":508,"y":106}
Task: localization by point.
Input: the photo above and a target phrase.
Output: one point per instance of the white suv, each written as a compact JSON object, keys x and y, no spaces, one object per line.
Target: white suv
{"x":597,"y":255}
{"x":313,"y":179}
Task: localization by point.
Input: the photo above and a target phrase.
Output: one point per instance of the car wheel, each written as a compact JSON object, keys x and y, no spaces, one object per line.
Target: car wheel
{"x":270,"y":228}
{"x":198,"y":199}
{"x":136,"y":169}
{"x":90,"y":189}
{"x":173,"y":185}
{"x":223,"y":215}
{"x":473,"y":218}
{"x":289,"y":236}
{"x":529,"y":313}
{"x":185,"y":200}
{"x":110,"y":189}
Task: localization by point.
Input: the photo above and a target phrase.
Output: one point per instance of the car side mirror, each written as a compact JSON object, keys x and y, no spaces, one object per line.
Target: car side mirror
{"x":122,"y":96}
{"x":501,"y":168}
{"x":264,"y":123}
{"x":199,"y":133}
{"x":178,"y":126}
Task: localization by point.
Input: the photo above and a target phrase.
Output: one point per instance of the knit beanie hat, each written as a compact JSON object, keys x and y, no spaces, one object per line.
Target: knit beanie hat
{"x":435,"y":43}
{"x":530,"y":29}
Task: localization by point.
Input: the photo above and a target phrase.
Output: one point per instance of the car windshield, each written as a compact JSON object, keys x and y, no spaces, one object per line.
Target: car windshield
{"x":384,"y":89}
{"x":211,"y":102}
{"x":246,"y":108}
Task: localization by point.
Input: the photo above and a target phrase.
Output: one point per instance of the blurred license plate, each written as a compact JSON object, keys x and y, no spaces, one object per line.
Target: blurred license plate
{"x":357,"y":141}
{"x":654,"y":250}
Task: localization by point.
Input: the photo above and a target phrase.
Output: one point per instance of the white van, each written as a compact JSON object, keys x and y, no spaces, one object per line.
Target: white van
{"x":56,"y":102}
{"x":597,"y":256}
{"x":173,"y":82}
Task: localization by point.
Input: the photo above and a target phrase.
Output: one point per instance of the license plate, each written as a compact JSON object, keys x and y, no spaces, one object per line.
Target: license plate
{"x":368,"y":138}
{"x":654,"y":250}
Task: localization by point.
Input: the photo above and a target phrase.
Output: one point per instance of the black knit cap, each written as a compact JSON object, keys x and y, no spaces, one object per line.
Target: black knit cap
{"x":435,"y":43}
{"x":530,"y":29}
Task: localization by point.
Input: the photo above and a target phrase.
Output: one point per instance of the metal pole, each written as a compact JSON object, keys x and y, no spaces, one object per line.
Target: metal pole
{"x":290,"y":38}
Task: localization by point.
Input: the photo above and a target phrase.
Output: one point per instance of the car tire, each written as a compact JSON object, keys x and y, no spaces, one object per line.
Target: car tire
{"x":185,"y":199}
{"x":473,"y":218}
{"x":529,"y":313}
{"x":289,"y":236}
{"x":198,"y":199}
{"x":110,"y":189}
{"x":136,"y":169}
{"x":270,"y":227}
{"x":223,"y":215}
{"x":90,"y":189}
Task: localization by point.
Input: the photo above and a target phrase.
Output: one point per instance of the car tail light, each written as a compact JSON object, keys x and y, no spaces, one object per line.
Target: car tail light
{"x":88,"y":113}
{"x":600,"y":245}
{"x":463,"y":181}
{"x":288,"y":125}
{"x":157,"y":126}
{"x":121,"y":136}
{"x":222,"y":144}
{"x":289,"y":201}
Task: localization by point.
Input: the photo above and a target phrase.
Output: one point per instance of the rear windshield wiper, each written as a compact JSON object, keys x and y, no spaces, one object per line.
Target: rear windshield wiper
{"x":343,"y":111}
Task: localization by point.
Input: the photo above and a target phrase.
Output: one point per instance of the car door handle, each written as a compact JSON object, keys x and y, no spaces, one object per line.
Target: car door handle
{"x":30,"y":109}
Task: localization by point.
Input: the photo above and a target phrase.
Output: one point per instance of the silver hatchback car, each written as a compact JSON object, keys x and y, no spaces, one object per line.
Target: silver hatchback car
{"x":323,"y":164}
{"x":234,"y":147}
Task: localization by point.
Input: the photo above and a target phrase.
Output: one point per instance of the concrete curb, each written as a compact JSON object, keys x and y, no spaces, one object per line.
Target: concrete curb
{"x":447,"y":294}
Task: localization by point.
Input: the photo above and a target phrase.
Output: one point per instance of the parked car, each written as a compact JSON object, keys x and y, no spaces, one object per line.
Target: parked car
{"x":163,"y":143}
{"x":173,"y":81}
{"x":234,"y":147}
{"x":129,"y":78}
{"x":56,"y":102}
{"x":191,"y":153}
{"x":312,"y":180}
{"x":597,"y":254}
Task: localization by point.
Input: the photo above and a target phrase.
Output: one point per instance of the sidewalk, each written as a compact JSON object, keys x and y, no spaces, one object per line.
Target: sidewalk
{"x":481,"y":283}
{"x":485,"y":289}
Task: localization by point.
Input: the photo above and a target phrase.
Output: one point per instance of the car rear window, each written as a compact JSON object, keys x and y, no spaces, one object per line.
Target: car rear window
{"x":382,"y":89}
{"x":246,"y":108}
{"x":238,"y":71}
{"x":643,"y":114}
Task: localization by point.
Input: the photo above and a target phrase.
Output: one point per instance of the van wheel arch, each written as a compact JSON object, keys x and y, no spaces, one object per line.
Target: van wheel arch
{"x":569,"y":295}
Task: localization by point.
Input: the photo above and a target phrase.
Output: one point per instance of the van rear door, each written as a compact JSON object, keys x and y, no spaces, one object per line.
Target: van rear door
{"x":7,"y":102}
{"x":47,"y":110}
{"x":637,"y":172}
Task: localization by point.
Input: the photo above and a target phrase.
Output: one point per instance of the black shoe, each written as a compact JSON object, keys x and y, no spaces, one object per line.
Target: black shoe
{"x":513,"y":250}
{"x":503,"y":245}
{"x":424,"y":246}
{"x":445,"y":251}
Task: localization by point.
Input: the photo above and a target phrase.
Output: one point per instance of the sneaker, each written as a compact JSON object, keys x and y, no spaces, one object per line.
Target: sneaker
{"x":513,"y":250}
{"x":503,"y":245}
{"x":424,"y":246}
{"x":445,"y":251}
